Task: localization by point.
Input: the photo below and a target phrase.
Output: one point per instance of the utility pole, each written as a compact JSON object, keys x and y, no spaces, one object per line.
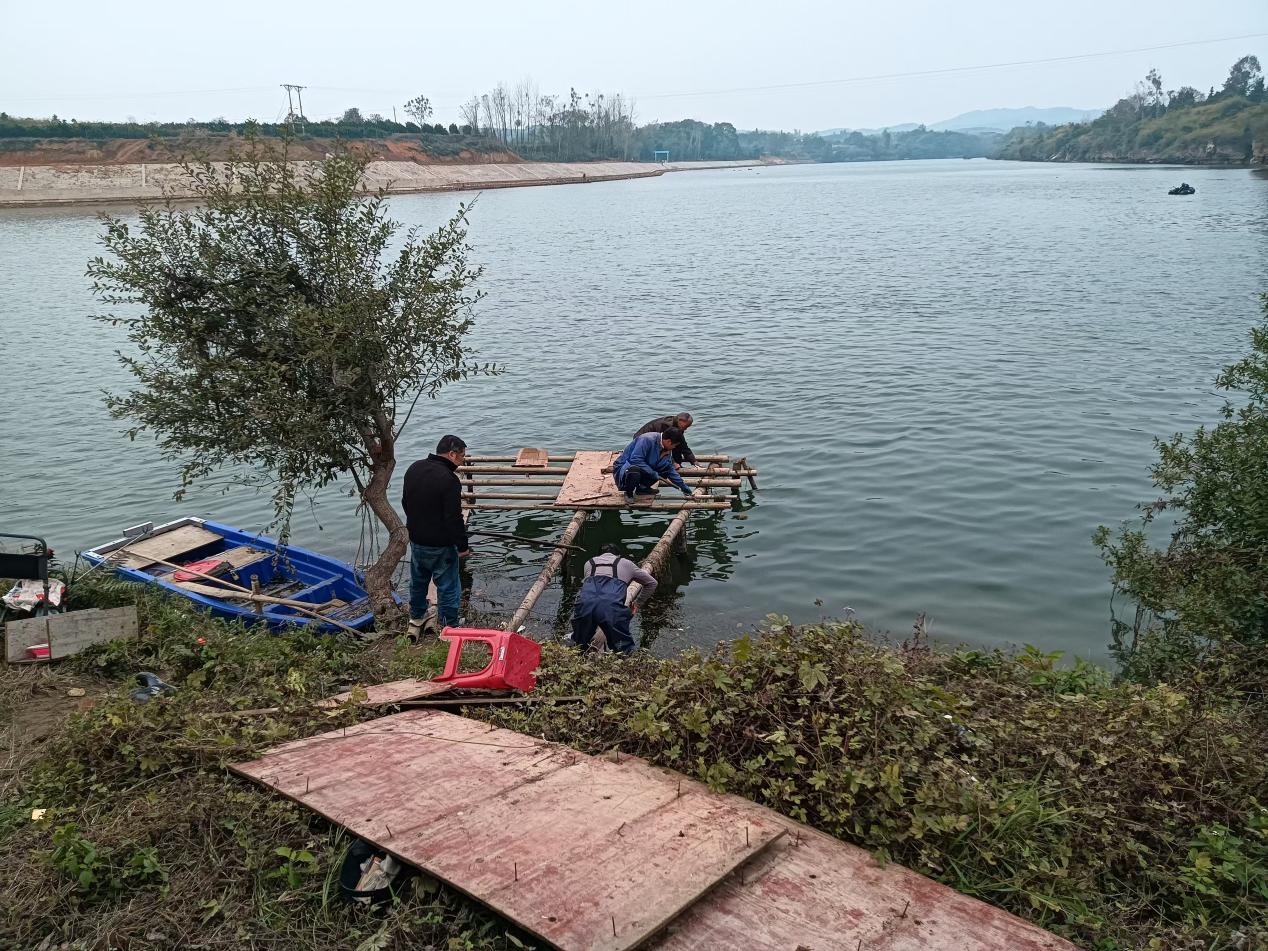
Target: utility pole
{"x":291,"y":116}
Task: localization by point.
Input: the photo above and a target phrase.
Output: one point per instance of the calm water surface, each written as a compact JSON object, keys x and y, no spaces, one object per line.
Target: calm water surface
{"x":949,"y":374}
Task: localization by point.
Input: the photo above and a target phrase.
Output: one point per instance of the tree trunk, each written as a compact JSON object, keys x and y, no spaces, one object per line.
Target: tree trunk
{"x":378,"y":579}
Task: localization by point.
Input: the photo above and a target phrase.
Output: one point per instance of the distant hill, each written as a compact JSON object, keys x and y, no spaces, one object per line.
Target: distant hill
{"x":1003,"y":120}
{"x":901,"y":127}
{"x":986,"y":120}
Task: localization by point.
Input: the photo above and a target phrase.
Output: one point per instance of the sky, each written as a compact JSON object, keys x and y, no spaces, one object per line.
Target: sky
{"x":792,"y":64}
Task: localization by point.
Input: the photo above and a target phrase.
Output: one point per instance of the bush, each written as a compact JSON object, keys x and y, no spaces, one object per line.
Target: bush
{"x":1209,"y":585}
{"x":1112,"y":814}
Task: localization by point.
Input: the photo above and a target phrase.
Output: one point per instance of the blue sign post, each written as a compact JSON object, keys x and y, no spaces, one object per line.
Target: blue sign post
{"x":662,"y":155}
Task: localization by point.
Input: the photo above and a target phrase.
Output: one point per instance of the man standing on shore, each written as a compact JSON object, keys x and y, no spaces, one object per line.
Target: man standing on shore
{"x":682,"y":422}
{"x":432,"y":499}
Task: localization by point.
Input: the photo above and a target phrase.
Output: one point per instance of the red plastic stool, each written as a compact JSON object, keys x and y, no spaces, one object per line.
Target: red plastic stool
{"x":514,"y":658}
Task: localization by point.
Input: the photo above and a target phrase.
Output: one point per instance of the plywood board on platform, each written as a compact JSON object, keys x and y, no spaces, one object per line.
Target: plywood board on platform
{"x":69,"y":633}
{"x":167,"y":546}
{"x":380,"y":695}
{"x":531,"y":458}
{"x":587,"y":485}
{"x":809,"y":890}
{"x":586,"y":853}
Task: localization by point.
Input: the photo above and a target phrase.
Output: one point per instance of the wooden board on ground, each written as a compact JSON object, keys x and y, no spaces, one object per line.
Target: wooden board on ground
{"x":586,"y":853}
{"x":380,"y":695}
{"x":531,"y":458}
{"x":69,"y":633}
{"x":587,"y":486}
{"x":167,"y":546}
{"x":809,"y":890}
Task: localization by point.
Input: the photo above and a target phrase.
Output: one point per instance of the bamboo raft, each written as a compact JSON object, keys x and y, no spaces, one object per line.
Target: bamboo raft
{"x":580,"y":482}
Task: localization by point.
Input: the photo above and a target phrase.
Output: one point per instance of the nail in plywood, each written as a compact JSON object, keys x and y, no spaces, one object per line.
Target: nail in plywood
{"x":380,"y":695}
{"x":68,"y":634}
{"x":572,"y":848}
{"x":810,"y":890}
{"x":531,"y":458}
{"x":167,"y":546}
{"x":587,"y":485}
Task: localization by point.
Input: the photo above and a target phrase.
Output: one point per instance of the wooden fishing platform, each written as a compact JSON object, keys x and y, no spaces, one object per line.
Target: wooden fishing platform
{"x":610,"y":853}
{"x":580,"y":482}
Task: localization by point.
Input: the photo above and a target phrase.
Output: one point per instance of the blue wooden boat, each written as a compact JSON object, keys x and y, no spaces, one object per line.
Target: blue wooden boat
{"x":224,"y":567}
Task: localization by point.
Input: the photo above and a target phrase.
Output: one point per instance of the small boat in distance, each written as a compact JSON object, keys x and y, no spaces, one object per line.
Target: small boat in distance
{"x":1184,"y":188}
{"x":240,"y":576}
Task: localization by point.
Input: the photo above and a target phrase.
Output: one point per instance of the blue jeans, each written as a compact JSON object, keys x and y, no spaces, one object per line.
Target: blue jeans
{"x":440,"y":565}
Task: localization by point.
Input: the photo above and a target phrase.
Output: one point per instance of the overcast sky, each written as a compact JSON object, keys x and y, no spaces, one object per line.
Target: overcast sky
{"x":686,"y":58}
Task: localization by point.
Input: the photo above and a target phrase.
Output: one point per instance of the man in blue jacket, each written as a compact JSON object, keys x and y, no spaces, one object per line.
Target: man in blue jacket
{"x":647,"y":460}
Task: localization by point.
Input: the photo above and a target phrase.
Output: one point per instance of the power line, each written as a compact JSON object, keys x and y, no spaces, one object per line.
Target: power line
{"x":952,"y":69}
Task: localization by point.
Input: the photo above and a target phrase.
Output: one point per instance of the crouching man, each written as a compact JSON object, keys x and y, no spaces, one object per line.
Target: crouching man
{"x":647,"y":460}
{"x":601,"y":602}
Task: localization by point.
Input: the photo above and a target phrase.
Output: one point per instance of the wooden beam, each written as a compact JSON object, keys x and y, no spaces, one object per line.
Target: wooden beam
{"x":548,"y":571}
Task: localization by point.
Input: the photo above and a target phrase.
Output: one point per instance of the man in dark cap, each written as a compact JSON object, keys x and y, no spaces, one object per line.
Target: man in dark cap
{"x":601,"y":602}
{"x":432,"y":499}
{"x":682,"y":422}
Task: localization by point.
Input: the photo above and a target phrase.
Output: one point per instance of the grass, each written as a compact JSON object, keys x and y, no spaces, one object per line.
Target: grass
{"x":1119,"y":816}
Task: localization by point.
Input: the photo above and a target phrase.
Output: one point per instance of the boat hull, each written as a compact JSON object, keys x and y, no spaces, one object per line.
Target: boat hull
{"x":247,"y":560}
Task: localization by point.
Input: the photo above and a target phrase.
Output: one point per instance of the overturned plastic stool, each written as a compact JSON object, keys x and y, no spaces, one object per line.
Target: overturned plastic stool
{"x":513,"y":660}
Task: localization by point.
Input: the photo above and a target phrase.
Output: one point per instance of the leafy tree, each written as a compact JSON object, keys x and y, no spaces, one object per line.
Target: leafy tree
{"x":283,"y":332}
{"x":352,"y":117}
{"x":419,"y":109}
{"x":453,"y":128}
{"x":1210,"y":583}
{"x":1243,"y":75}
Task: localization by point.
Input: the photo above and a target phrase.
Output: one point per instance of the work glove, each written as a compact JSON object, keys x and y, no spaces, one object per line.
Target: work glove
{"x":687,"y":493}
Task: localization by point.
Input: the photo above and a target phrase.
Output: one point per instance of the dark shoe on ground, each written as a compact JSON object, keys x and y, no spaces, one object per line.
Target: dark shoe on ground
{"x":647,"y":492}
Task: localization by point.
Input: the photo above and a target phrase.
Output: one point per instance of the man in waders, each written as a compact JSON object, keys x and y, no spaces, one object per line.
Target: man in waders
{"x":601,"y":602}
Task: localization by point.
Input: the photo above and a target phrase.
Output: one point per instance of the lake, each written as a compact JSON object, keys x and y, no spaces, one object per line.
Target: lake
{"x":949,"y":373}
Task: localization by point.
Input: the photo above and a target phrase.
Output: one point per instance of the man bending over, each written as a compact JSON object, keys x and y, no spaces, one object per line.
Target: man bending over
{"x":647,"y":460}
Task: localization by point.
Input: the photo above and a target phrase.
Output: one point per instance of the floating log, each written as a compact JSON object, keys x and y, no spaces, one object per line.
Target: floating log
{"x":548,"y":571}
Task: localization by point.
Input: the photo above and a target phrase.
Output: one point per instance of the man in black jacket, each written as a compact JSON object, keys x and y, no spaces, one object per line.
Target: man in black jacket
{"x":432,"y":500}
{"x":682,"y":422}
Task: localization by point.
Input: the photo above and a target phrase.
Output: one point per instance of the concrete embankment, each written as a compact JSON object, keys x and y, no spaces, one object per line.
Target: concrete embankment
{"x":92,"y":184}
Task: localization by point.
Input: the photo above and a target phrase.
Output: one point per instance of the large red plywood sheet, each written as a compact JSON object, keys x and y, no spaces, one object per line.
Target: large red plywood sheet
{"x":812,"y":891}
{"x":587,"y":853}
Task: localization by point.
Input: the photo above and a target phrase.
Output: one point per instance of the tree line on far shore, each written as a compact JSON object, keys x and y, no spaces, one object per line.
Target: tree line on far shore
{"x":1153,"y":124}
{"x":1229,"y":124}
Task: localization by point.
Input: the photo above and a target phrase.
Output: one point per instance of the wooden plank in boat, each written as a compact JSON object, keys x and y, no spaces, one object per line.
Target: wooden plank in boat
{"x":168,"y":546}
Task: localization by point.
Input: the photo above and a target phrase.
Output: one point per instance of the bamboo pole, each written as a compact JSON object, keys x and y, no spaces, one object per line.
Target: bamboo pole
{"x":508,"y":470}
{"x":656,"y":558}
{"x":548,"y":571}
{"x":722,"y":482}
{"x":520,"y":496}
{"x":717,"y":506}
